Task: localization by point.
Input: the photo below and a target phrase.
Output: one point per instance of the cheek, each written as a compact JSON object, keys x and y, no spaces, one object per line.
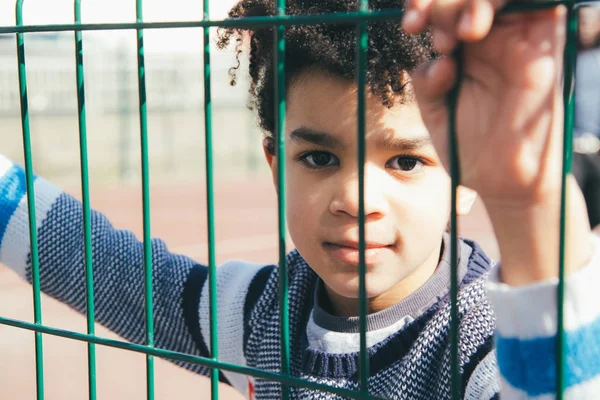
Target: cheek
{"x":426,"y":206}
{"x":305,"y":205}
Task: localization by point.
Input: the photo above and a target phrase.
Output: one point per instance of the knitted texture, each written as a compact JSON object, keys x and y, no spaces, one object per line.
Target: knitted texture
{"x":413,"y":363}
{"x":118,"y":268}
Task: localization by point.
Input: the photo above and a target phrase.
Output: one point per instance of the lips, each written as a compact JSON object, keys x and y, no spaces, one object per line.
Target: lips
{"x":347,"y":251}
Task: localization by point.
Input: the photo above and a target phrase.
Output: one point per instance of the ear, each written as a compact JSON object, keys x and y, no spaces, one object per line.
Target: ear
{"x":465,"y":198}
{"x":269,"y":150}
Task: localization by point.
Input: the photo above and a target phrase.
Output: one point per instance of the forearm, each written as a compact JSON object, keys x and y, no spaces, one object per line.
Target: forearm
{"x":180,"y":297}
{"x":117,"y":263}
{"x":528,"y":236}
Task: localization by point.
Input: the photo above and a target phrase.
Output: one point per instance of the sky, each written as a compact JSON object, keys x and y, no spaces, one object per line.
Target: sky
{"x":97,"y":11}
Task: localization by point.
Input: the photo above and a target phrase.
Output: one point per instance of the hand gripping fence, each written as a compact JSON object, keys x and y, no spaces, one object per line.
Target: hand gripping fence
{"x":280,"y":21}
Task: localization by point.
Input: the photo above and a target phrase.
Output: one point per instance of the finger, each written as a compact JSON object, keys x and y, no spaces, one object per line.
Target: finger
{"x":416,"y":17}
{"x":560,"y":18}
{"x":475,"y":20}
{"x":444,"y":15}
{"x":542,"y":48}
{"x":433,"y":80}
{"x":468,"y":20}
{"x":432,"y":83}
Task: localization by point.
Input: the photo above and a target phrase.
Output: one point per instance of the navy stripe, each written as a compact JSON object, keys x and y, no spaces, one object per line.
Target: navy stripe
{"x":12,"y":189}
{"x":530,"y":365}
{"x":191,"y":304}
{"x":381,"y":355}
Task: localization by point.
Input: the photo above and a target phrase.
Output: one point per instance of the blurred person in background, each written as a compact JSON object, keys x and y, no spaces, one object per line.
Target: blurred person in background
{"x":586,"y":144}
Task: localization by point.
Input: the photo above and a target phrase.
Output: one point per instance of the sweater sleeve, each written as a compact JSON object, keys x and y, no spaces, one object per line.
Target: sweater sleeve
{"x":180,"y":294}
{"x":527,"y":328}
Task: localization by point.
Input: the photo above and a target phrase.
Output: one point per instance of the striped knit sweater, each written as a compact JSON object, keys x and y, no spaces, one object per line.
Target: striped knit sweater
{"x":509,"y":350}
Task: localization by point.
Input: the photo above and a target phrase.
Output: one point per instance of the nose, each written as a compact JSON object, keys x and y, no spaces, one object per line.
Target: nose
{"x":345,"y":199}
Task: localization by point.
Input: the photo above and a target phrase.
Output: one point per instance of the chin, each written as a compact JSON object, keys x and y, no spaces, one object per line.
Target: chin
{"x":350,"y":289}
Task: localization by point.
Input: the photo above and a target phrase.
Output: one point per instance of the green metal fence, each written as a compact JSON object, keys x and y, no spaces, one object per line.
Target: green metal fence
{"x":281,"y":20}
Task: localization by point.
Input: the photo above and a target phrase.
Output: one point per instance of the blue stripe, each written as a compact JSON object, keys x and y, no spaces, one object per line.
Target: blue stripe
{"x":530,"y":365}
{"x":12,"y":190}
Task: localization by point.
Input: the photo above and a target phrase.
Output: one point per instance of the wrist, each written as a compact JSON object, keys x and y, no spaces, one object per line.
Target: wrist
{"x":528,"y":234}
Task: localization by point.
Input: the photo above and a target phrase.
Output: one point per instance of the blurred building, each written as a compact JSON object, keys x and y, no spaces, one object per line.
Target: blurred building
{"x":173,"y":80}
{"x":175,"y":96}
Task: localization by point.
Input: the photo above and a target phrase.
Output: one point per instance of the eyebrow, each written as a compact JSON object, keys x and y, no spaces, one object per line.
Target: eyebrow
{"x":404,"y":144}
{"x":308,"y":135}
{"x":328,"y":140}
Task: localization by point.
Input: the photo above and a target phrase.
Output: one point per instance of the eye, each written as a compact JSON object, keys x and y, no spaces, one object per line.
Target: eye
{"x":405,"y":164}
{"x":319,"y":159}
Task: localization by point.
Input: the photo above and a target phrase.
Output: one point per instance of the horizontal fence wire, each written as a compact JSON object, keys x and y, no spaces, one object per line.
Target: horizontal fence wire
{"x":280,"y":21}
{"x":246,"y":22}
{"x":188,"y":358}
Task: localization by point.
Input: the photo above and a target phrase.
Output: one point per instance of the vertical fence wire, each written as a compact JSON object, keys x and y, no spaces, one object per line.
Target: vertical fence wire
{"x":29,"y":177}
{"x":280,"y":104}
{"x":361,"y":74}
{"x":210,"y":209}
{"x":85,"y":195}
{"x":452,"y":102}
{"x":146,"y":202}
{"x":570,"y":55}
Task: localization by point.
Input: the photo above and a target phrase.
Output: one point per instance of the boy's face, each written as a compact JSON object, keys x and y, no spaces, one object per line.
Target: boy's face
{"x":406,"y":188}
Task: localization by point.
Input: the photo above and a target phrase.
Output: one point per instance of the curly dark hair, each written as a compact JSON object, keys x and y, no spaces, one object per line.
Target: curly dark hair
{"x":327,"y":47}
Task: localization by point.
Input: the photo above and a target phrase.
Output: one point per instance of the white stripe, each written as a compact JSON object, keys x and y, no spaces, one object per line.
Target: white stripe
{"x":484,"y":382}
{"x":16,"y":244}
{"x":588,"y":390}
{"x":333,"y":342}
{"x":233,"y":279}
{"x":509,"y":392}
{"x":5,"y":165}
{"x":530,"y":311}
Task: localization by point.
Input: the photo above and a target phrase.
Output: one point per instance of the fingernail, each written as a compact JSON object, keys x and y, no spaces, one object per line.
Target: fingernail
{"x":412,"y":17}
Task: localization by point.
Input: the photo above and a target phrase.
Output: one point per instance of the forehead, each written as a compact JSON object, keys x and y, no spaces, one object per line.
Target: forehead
{"x":328,"y":103}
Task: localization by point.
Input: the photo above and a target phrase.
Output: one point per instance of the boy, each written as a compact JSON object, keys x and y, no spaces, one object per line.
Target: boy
{"x":509,"y":124}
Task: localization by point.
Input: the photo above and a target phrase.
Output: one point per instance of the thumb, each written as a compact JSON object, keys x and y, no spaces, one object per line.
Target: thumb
{"x":432,"y":81}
